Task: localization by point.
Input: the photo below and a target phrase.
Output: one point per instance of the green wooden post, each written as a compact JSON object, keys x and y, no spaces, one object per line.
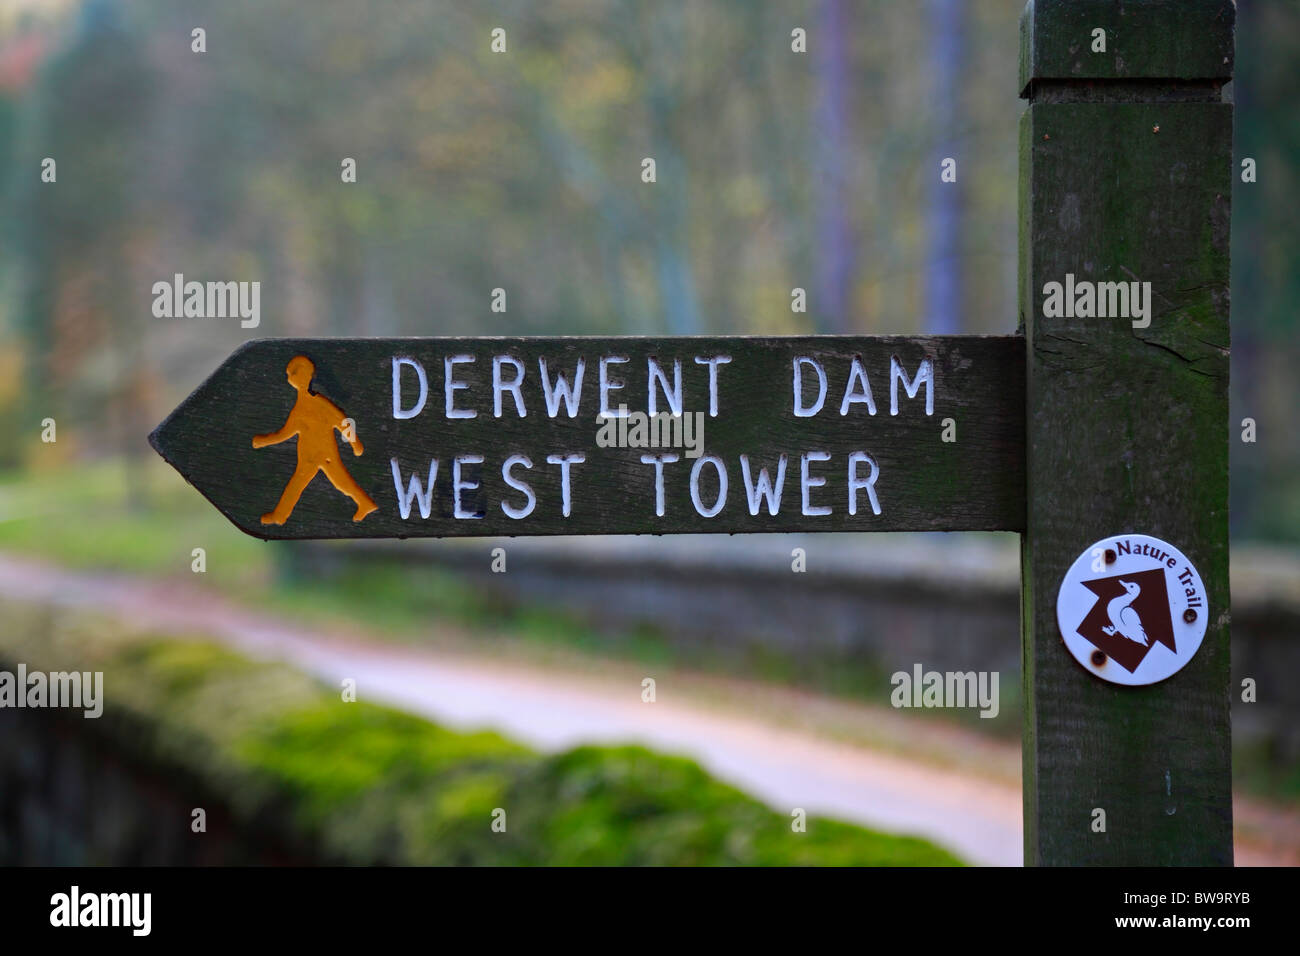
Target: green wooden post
{"x":1125,"y":175}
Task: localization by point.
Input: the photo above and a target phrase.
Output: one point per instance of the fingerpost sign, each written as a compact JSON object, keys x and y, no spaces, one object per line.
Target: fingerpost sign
{"x":1098,"y":432}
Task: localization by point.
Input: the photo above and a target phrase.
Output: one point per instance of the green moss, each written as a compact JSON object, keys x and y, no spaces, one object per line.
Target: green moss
{"x":358,"y":783}
{"x":369,"y":748}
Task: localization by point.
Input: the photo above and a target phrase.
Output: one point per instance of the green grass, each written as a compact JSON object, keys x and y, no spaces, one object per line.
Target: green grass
{"x":80,"y":517}
{"x":358,"y":783}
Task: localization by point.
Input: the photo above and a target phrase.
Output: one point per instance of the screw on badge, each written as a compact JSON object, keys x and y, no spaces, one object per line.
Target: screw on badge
{"x":1135,"y":617}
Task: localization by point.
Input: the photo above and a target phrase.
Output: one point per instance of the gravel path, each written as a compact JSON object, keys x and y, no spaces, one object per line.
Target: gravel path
{"x":977,"y":818}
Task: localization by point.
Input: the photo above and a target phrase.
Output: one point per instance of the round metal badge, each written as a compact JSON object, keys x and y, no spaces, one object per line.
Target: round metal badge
{"x":1132,"y":609}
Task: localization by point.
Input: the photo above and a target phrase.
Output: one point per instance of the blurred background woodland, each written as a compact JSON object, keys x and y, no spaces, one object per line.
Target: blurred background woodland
{"x":522,"y":171}
{"x":775,"y":170}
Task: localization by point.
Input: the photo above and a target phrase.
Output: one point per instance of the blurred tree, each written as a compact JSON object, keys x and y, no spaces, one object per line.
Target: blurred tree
{"x":521,"y":170}
{"x":944,"y":263}
{"x":77,"y":313}
{"x":834,"y":251}
{"x":1265,"y":489}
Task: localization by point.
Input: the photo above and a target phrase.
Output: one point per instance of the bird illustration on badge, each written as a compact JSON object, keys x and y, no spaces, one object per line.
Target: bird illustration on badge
{"x":1124,"y":617}
{"x":314,"y":419}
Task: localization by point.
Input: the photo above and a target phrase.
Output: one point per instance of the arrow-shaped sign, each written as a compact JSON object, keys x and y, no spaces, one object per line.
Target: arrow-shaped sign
{"x":395,"y":438}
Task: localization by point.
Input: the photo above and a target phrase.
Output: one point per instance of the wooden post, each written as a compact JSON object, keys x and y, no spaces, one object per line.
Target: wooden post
{"x":1125,"y":166}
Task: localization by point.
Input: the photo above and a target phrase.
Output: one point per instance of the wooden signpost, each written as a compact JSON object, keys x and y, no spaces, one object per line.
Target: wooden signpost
{"x":700,"y":434}
{"x":1105,"y":415}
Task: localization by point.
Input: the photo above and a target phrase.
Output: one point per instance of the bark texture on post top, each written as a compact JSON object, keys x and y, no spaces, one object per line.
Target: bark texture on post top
{"x":1125,"y":166}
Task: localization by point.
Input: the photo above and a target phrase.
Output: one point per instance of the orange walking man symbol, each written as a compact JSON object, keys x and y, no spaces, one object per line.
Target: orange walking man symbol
{"x":314,"y":419}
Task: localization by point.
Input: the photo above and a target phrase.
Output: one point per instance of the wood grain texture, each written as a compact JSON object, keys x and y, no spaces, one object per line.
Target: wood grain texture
{"x":1162,"y":40}
{"x":1127,"y":432}
{"x":924,"y":483}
